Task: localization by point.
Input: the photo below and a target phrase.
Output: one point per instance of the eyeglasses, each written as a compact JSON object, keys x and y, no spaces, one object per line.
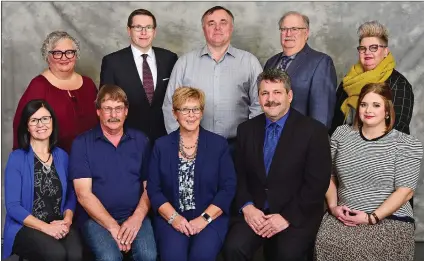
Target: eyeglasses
{"x":139,"y":28}
{"x":185,"y":111}
{"x":373,"y":48}
{"x":293,"y":30}
{"x":59,"y":54}
{"x":109,"y":110}
{"x":43,"y":120}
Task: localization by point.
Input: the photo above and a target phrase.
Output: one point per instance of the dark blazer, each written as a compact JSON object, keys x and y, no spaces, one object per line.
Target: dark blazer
{"x":314,"y":82}
{"x":214,"y":177}
{"x":119,"y":68}
{"x":299,"y":175}
{"x":403,"y":102}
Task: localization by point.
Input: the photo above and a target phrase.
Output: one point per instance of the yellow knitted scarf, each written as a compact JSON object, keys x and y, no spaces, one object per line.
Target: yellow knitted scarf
{"x":357,"y":78}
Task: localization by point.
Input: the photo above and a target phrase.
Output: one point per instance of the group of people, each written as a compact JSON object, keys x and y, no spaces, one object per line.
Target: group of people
{"x":184,"y":158}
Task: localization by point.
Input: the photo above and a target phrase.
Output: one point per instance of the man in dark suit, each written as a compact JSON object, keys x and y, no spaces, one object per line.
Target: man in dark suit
{"x":283,"y":166}
{"x":142,"y":71}
{"x":312,"y":73}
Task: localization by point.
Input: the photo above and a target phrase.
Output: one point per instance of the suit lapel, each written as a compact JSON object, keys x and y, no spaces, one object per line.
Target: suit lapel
{"x":159,"y":80}
{"x":174,"y":159}
{"x":293,"y":68}
{"x":282,"y":153}
{"x":202,"y":151}
{"x":258,"y":141}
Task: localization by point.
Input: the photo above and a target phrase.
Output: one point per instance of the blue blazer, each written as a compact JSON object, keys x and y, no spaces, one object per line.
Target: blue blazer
{"x":19,"y":191}
{"x":214,"y":177}
{"x":314,"y":82}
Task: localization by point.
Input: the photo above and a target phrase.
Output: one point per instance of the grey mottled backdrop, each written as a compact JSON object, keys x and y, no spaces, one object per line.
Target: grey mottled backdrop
{"x":101,"y":28}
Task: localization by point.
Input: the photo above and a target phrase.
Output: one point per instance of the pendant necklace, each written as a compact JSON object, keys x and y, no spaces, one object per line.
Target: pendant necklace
{"x":46,"y":168}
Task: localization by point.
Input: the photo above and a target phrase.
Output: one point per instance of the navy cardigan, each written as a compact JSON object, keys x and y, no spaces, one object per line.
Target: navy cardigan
{"x":19,"y":191}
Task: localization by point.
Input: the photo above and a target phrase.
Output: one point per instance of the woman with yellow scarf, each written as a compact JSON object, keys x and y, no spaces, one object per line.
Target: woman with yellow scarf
{"x":376,"y":64}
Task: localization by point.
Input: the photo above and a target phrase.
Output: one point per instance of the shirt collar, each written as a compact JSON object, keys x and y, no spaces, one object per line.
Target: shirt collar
{"x":137,"y":53}
{"x":291,"y":57}
{"x":280,"y":122}
{"x":205,"y":50}
{"x":98,"y":133}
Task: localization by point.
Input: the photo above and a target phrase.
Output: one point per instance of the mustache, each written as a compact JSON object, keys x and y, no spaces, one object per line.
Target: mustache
{"x":114,"y":120}
{"x":272,"y":104}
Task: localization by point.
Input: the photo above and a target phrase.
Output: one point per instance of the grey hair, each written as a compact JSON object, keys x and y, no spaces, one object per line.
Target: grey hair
{"x":274,"y":75}
{"x":53,"y":38}
{"x":304,"y":18}
{"x":373,"y":29}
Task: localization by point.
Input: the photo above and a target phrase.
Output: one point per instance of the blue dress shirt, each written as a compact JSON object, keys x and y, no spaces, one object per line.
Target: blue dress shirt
{"x":272,"y":136}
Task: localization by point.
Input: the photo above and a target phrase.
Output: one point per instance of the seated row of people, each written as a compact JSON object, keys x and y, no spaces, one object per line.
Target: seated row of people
{"x":284,"y":169}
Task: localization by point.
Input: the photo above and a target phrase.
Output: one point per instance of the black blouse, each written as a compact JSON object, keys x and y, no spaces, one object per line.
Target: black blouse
{"x":47,"y":193}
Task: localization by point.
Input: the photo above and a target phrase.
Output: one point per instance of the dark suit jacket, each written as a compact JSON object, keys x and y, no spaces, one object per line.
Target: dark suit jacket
{"x":314,"y":82}
{"x":119,"y":68}
{"x":214,"y":177}
{"x":299,"y":175}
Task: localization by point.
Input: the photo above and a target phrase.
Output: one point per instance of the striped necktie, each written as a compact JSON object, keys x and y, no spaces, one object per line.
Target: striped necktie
{"x":284,"y":62}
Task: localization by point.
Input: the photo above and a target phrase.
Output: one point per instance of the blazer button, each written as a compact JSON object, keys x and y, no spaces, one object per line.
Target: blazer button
{"x":266,"y":189}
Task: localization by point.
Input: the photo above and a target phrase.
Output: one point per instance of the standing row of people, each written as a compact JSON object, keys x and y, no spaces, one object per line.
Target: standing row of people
{"x":189,"y":174}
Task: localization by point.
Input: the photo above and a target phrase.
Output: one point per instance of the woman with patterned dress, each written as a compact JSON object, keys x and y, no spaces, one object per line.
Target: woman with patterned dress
{"x":375,"y":173}
{"x":191,"y":185}
{"x":39,"y":200}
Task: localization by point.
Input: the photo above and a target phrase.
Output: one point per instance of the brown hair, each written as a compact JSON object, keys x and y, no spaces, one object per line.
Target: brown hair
{"x":216,"y":8}
{"x":382,"y":89}
{"x":141,"y":12}
{"x":183,"y":94}
{"x":111,"y":92}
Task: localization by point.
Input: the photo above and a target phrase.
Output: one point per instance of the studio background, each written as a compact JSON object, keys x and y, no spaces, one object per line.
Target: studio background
{"x":101,"y":29}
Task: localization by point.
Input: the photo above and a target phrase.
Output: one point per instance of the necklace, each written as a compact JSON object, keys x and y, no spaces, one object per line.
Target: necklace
{"x":46,"y":168}
{"x":185,"y":154}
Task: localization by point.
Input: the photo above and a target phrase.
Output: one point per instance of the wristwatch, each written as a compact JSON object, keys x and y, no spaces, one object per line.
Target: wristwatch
{"x":206,"y":217}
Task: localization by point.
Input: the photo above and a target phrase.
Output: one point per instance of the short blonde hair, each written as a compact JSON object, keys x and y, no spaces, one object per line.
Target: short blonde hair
{"x":111,"y":92}
{"x":53,"y":38}
{"x":373,"y":29}
{"x":382,"y":89}
{"x":184,"y":93}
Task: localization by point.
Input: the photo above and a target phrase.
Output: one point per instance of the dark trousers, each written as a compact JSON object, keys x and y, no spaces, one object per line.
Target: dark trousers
{"x":175,"y":246}
{"x":291,"y":244}
{"x":35,"y":245}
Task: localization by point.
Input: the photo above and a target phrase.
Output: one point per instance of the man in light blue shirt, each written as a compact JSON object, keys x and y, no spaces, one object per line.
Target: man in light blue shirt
{"x":226,"y":74}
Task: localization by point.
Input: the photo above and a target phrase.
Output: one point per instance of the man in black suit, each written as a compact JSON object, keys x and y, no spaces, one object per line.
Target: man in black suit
{"x":142,"y":71}
{"x":283,"y":165}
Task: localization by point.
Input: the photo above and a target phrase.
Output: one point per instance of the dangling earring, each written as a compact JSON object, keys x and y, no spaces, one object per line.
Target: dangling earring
{"x":387,"y":116}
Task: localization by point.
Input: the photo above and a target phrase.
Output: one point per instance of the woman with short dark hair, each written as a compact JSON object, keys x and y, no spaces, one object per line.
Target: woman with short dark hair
{"x":38,"y":198}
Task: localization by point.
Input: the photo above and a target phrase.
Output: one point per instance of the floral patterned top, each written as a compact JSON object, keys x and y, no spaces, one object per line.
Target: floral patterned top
{"x":47,"y":193}
{"x":186,"y":184}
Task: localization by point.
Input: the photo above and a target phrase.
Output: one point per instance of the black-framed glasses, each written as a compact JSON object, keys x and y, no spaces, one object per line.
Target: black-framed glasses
{"x":59,"y":54}
{"x":109,"y":110}
{"x":185,"y":111}
{"x":293,"y":30}
{"x":139,"y":28}
{"x":373,"y":48}
{"x":43,"y":120}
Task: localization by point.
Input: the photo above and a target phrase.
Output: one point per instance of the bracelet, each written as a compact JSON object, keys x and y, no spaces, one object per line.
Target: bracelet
{"x":369,"y":219}
{"x":173,"y":216}
{"x":376,"y":218}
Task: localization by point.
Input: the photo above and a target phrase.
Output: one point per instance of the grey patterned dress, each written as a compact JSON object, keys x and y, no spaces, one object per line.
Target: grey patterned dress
{"x":47,"y":193}
{"x":186,"y":184}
